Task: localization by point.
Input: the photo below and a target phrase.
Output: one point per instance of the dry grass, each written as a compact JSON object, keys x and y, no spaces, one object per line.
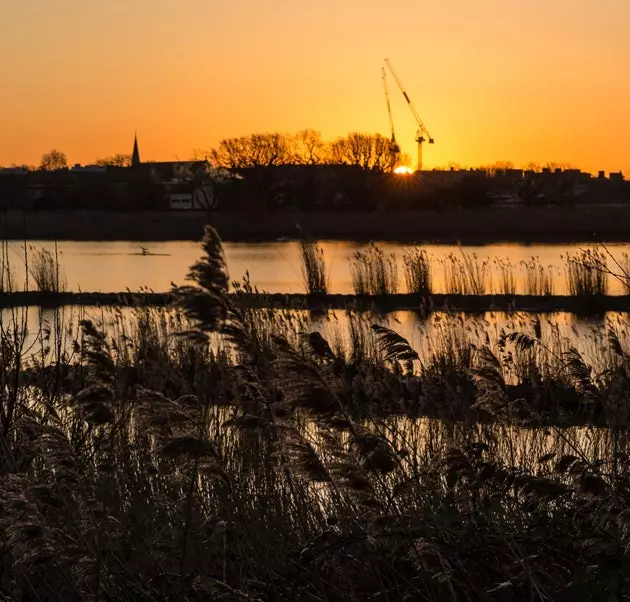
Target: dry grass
{"x":374,"y":273}
{"x":418,"y":272}
{"x":538,"y":279}
{"x":621,"y":272}
{"x":465,"y":274}
{"x":587,"y":273}
{"x":505,"y":276}
{"x":44,"y":269}
{"x":313,"y":268}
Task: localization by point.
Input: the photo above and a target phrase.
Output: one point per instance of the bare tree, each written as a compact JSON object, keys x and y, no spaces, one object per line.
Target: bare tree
{"x":404,"y":160}
{"x":53,"y":160}
{"x":537,"y":167}
{"x":118,"y":160}
{"x":257,"y":150}
{"x":310,"y":149}
{"x":199,"y":154}
{"x":497,"y":166}
{"x":231,"y":153}
{"x":371,"y":152}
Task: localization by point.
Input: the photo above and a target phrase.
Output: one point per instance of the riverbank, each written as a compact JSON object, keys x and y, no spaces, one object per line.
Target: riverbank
{"x":385,"y":303}
{"x":546,"y":225}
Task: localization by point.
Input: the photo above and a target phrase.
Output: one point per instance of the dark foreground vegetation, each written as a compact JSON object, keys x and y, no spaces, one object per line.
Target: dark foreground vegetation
{"x":248,"y":458}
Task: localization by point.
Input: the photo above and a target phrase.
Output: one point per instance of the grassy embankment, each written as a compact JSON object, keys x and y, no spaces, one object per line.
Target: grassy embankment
{"x":582,"y":224}
{"x":274,"y":465}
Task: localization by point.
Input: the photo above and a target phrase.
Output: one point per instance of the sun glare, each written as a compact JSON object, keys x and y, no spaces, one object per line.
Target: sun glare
{"x":403,"y":170}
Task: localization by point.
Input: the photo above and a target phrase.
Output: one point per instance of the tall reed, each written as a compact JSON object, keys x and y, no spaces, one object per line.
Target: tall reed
{"x":465,"y":274}
{"x":44,"y":268}
{"x":587,"y":273}
{"x":538,"y":280}
{"x":7,"y":277}
{"x":373,"y":273}
{"x":417,"y":272}
{"x":622,"y":274}
{"x":506,"y":276}
{"x":314,"y":276}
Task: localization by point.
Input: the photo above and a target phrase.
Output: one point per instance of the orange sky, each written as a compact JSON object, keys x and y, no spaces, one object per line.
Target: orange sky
{"x":494,"y":80}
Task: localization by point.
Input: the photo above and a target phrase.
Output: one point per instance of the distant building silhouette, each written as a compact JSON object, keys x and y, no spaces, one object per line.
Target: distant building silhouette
{"x":135,"y":157}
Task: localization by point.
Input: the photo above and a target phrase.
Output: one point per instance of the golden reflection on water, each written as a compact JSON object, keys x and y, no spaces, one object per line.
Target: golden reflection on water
{"x":426,"y":334}
{"x":275,"y":266}
{"x":421,"y":437}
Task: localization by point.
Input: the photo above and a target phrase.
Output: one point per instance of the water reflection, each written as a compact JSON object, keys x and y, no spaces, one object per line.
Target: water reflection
{"x":426,"y":334}
{"x":273,"y":267}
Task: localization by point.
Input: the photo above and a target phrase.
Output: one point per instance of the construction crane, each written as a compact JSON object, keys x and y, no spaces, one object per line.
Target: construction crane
{"x":422,"y":135}
{"x":394,"y":146}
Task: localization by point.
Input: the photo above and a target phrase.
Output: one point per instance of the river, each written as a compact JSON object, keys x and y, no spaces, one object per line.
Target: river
{"x":275,"y":267}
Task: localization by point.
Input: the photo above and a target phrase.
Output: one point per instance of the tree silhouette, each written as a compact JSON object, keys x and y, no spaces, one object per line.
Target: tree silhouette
{"x":310,"y":149}
{"x":255,"y":151}
{"x":370,"y":152}
{"x":118,"y":160}
{"x":53,"y":160}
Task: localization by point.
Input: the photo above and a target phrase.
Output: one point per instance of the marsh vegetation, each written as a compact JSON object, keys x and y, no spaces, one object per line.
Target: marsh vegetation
{"x":213,"y":452}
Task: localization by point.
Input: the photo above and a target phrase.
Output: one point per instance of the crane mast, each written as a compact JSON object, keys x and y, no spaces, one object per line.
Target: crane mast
{"x":422,"y":135}
{"x":395,"y":148}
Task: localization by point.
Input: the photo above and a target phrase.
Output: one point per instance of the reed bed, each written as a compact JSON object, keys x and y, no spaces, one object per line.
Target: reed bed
{"x":314,"y":275}
{"x":44,"y":268}
{"x":417,"y":268}
{"x":374,"y":273}
{"x":587,"y":273}
{"x":207,"y":452}
{"x":465,"y":274}
{"x":538,"y":280}
{"x":505,"y":276}
{"x":622,"y":273}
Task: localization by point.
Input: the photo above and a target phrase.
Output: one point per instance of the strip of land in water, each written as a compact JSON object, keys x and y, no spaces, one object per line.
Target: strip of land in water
{"x":579,"y":224}
{"x":386,"y":303}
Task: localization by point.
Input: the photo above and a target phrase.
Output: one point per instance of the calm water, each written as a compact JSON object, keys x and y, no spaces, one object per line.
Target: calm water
{"x":560,"y":331}
{"x":273,"y":267}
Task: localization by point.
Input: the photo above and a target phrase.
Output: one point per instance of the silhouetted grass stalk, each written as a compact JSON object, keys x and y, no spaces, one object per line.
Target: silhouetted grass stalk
{"x":373,"y":273}
{"x":417,"y":272}
{"x":506,"y":277}
{"x":466,"y":274}
{"x":538,"y":280}
{"x":587,"y":273}
{"x":313,"y":268}
{"x":44,"y":268}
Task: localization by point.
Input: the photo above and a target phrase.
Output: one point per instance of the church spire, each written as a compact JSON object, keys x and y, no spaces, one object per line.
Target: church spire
{"x":135,"y":158}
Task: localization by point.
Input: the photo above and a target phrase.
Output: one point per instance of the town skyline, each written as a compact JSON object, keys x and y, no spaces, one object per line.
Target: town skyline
{"x":120,"y":159}
{"x":539,"y":83}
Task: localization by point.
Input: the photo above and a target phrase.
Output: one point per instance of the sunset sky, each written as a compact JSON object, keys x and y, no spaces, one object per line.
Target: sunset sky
{"x":494,"y":80}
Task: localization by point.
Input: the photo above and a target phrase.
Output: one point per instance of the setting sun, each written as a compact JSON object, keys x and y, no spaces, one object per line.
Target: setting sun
{"x":403,"y":170}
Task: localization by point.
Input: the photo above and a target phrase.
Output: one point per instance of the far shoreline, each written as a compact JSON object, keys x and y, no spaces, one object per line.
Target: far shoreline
{"x":581,"y":224}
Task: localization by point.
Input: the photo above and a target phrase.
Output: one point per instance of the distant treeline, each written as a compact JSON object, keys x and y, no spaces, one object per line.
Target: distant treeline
{"x":302,"y":171}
